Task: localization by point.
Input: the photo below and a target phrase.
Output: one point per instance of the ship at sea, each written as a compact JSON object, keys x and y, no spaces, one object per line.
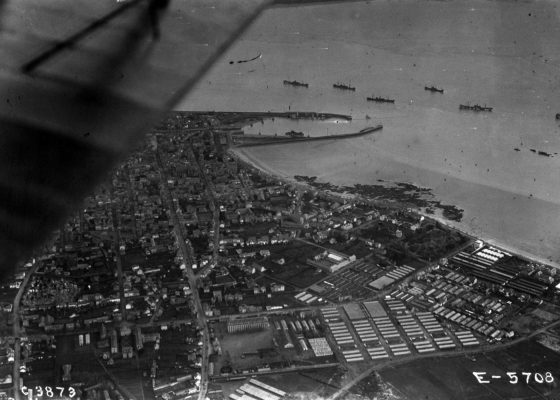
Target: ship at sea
{"x":380,"y":99}
{"x":344,"y":87}
{"x":433,"y":89}
{"x":476,"y":108}
{"x":296,"y":83}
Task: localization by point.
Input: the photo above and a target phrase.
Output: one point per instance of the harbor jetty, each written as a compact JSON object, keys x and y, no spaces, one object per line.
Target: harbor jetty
{"x":258,"y":140}
{"x":234,"y":122}
{"x":264,"y":114}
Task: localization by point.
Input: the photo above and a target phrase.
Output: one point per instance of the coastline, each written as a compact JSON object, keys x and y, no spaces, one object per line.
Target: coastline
{"x":466,"y":159}
{"x":493,"y":242}
{"x":242,"y":157}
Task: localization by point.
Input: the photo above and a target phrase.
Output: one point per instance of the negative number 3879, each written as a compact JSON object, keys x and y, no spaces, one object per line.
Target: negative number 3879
{"x":49,"y":391}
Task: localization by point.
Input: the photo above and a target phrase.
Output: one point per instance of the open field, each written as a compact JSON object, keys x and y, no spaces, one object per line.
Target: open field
{"x":234,"y":345}
{"x":452,"y":378}
{"x":298,"y":275}
{"x":311,"y":382}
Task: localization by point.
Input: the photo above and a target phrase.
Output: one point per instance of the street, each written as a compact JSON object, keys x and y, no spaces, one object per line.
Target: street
{"x":188,"y":259}
{"x":17,"y":330}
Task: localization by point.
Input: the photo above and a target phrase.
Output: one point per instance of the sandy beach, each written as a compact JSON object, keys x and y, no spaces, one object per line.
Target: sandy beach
{"x":244,"y":155}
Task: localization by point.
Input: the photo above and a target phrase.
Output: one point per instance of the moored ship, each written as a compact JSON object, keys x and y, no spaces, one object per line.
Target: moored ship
{"x":380,"y":99}
{"x":295,"y":134}
{"x":296,"y":83}
{"x":342,"y":86}
{"x":433,"y":89}
{"x":476,"y":108}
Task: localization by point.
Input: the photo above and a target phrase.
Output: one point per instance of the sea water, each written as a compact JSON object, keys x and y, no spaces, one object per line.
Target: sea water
{"x":504,"y":54}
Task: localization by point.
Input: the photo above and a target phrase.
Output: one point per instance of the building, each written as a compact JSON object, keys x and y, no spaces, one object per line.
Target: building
{"x":258,"y":390}
{"x":331,"y":260}
{"x":114,"y":342}
{"x":247,"y":324}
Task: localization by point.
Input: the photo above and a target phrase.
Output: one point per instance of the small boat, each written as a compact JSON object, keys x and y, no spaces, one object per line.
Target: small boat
{"x":342,"y":86}
{"x":433,"y":89}
{"x":380,"y":99}
{"x":296,"y":83}
{"x":294,"y":134}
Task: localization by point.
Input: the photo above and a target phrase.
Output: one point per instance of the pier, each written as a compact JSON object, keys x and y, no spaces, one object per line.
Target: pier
{"x":258,"y":140}
{"x":242,"y":116}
